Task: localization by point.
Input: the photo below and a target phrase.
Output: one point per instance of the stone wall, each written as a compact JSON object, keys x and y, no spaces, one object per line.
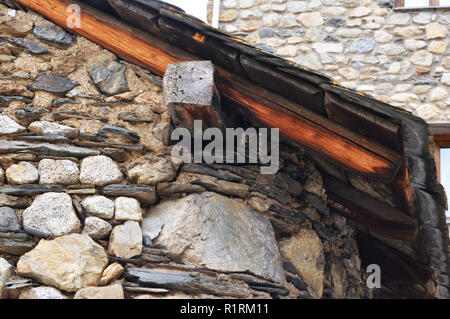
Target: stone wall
{"x":399,"y":57}
{"x":85,"y":174}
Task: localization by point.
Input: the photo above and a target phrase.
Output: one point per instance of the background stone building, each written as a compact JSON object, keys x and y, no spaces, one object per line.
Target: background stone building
{"x":398,"y":55}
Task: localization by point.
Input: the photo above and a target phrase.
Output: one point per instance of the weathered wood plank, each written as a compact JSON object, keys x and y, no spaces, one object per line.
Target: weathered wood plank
{"x":141,"y":16}
{"x":403,"y":186}
{"x":363,"y":121}
{"x":200,"y":45}
{"x":192,"y":92}
{"x":370,"y":213}
{"x":301,"y":92}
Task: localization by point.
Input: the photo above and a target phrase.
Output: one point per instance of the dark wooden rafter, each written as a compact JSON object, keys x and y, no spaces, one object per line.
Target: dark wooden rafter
{"x":349,"y":150}
{"x":403,"y":186}
{"x":363,"y":121}
{"x":311,"y":130}
{"x":368,"y":212}
{"x":396,"y":267}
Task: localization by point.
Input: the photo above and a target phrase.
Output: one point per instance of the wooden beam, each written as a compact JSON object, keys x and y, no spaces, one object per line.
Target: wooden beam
{"x":324,"y":137}
{"x":363,"y":121}
{"x":369,"y":212}
{"x":191,"y":92}
{"x":339,"y":145}
{"x":403,"y":186}
{"x":440,"y":141}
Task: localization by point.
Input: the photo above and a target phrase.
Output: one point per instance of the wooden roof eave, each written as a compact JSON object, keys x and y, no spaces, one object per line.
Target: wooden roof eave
{"x":350,"y":150}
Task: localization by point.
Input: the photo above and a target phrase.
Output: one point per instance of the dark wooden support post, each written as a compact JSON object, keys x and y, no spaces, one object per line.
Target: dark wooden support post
{"x":191,"y":92}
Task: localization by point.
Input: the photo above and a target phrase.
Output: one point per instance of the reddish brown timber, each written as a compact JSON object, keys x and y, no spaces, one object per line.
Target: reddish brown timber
{"x":363,"y":121}
{"x":369,"y":212}
{"x":343,"y":147}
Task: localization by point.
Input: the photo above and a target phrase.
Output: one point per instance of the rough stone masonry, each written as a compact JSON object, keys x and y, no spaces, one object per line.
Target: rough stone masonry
{"x":92,"y":206}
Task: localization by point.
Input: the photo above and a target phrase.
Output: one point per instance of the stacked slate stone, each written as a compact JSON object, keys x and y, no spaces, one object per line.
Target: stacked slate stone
{"x":85,"y":176}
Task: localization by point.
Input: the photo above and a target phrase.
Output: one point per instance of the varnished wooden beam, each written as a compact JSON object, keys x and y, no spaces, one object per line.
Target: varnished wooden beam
{"x":337,"y":144}
{"x":340,"y":145}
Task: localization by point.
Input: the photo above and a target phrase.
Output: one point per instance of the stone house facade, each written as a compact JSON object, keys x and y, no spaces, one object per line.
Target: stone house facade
{"x":86,"y":174}
{"x":86,"y":171}
{"x":398,"y":56}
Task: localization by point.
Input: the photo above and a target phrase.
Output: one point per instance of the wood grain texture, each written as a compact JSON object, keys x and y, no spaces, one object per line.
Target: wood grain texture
{"x":347,"y":149}
{"x":191,"y":92}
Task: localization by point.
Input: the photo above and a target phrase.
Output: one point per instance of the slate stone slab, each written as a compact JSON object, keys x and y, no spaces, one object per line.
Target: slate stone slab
{"x":30,"y":189}
{"x":45,"y":149}
{"x":184,"y":281}
{"x":8,"y":220}
{"x":5,"y":100}
{"x":109,"y":77}
{"x":30,"y":113}
{"x":205,"y":170}
{"x":16,"y":244}
{"x":53,"y":84}
{"x":50,"y":34}
{"x":62,"y":101}
{"x":167,"y":189}
{"x":29,"y":45}
{"x":109,"y":130}
{"x":130,"y":117}
{"x":273,"y":192}
{"x":11,"y":201}
{"x":145,"y":194}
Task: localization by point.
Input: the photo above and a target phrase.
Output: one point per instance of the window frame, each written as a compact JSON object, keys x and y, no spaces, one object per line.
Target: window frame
{"x":440,"y":141}
{"x":433,"y":5}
